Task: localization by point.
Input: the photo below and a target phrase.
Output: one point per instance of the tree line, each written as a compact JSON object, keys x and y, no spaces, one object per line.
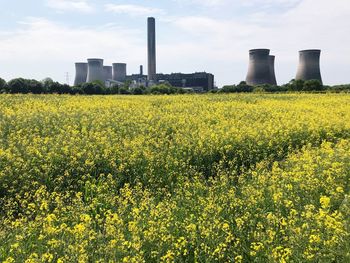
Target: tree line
{"x":294,"y":85}
{"x":48,"y":86}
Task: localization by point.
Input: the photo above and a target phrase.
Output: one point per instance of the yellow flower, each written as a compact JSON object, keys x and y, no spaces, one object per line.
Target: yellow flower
{"x":325,"y":202}
{"x":238,"y":259}
{"x":79,"y":229}
{"x":47,"y":257}
{"x":9,"y":260}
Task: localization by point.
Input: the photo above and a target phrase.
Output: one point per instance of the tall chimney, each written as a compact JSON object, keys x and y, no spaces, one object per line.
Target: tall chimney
{"x":309,"y":65}
{"x":151,"y":24}
{"x":259,"y":67}
{"x":80,"y":73}
{"x":273,"y":80}
{"x":95,"y":69}
{"x":141,"y":70}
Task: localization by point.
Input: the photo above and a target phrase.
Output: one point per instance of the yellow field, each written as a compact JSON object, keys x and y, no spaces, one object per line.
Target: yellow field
{"x":191,"y":178}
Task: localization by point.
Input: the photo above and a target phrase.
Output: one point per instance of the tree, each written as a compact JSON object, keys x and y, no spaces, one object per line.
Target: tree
{"x":295,"y":85}
{"x":228,"y":89}
{"x":272,"y":88}
{"x":164,"y":88}
{"x":244,"y":87}
{"x":18,"y":85}
{"x":313,"y":85}
{"x":35,"y":86}
{"x":65,"y":89}
{"x":241,"y":87}
{"x":3,"y":85}
{"x":99,"y":87}
{"x":137,"y":91}
{"x":124,"y":91}
{"x":76,"y":90}
{"x":339,"y":88}
{"x":114,"y":89}
{"x":88,"y":88}
{"x":47,"y":82}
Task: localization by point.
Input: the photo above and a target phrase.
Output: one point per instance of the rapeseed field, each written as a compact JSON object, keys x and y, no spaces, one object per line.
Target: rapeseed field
{"x":190,"y":178}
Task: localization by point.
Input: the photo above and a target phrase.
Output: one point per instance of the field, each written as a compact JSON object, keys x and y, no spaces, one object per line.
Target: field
{"x":191,"y":178}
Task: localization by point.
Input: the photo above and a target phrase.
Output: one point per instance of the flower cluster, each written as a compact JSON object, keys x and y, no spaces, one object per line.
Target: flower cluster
{"x":213,"y":178}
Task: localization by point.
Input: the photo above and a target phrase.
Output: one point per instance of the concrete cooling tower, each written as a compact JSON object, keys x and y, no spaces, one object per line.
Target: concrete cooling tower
{"x":151,"y":37}
{"x":272,"y":70}
{"x":259,"y":67}
{"x":309,"y":65}
{"x":81,"y":70}
{"x":119,"y":72}
{"x":107,"y":73}
{"x":95,"y":70}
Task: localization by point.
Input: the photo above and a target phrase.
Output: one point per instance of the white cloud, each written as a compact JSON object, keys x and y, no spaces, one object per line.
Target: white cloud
{"x":42,"y":48}
{"x":238,"y":3}
{"x":133,"y":10}
{"x":271,"y":3}
{"x":70,"y":5}
{"x":223,"y":44}
{"x":210,"y":3}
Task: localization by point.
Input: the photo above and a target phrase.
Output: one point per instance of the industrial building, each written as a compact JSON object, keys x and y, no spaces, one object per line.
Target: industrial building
{"x":261,"y":68}
{"x":95,"y":70}
{"x":272,"y":70}
{"x":309,"y":65}
{"x":151,"y":50}
{"x":81,"y":69}
{"x":117,"y":73}
{"x":107,"y":73}
{"x":199,"y":81}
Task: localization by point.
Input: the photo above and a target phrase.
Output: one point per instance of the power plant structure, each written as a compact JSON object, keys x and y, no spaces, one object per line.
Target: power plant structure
{"x":107,"y":73}
{"x":95,"y":70}
{"x":199,"y":81}
{"x":272,"y":70}
{"x":81,"y":70}
{"x":261,"y":68}
{"x":119,"y":72}
{"x":151,"y":49}
{"x":141,"y":69}
{"x":309,"y":65}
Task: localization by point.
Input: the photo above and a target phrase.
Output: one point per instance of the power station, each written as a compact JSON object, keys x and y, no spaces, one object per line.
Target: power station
{"x":309,"y":65}
{"x":151,"y":48}
{"x":119,"y":72}
{"x":94,"y":70}
{"x":107,"y":73}
{"x":261,"y":69}
{"x":272,"y":70}
{"x":81,"y":70}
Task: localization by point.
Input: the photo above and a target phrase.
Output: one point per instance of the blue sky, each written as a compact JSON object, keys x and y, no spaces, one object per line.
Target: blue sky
{"x":43,"y":38}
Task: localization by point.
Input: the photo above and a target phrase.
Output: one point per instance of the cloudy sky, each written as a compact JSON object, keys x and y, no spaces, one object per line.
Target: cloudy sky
{"x":43,"y":38}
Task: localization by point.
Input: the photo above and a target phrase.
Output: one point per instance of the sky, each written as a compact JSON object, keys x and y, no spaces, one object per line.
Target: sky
{"x":44,"y":38}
